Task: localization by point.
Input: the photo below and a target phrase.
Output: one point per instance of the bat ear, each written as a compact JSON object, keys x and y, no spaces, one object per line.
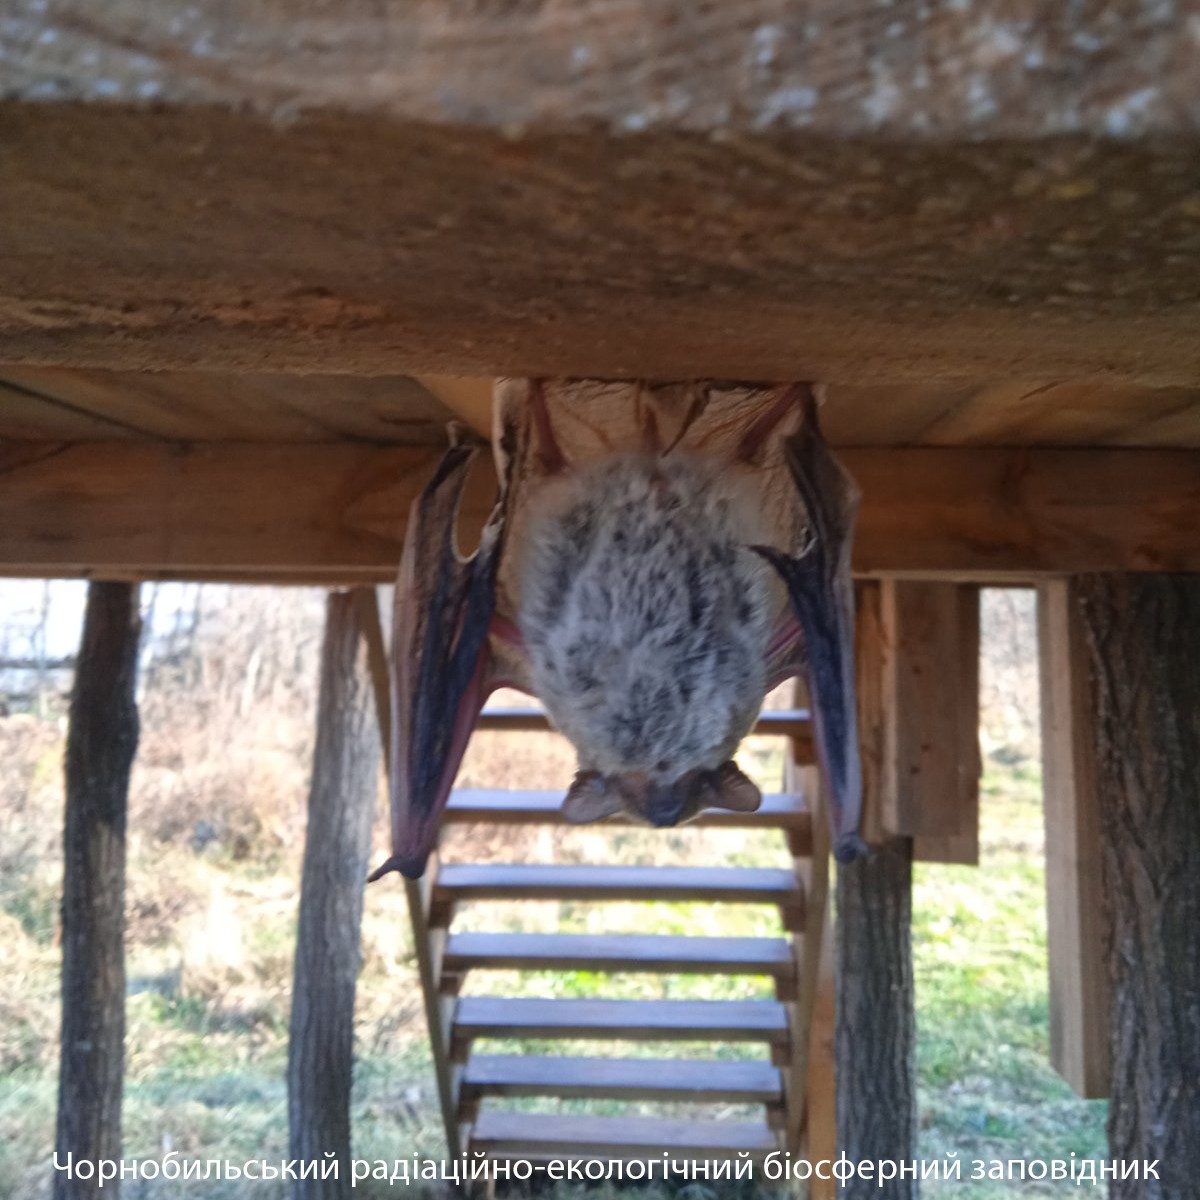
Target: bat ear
{"x":735,"y":790}
{"x":590,"y":799}
{"x":725,"y":788}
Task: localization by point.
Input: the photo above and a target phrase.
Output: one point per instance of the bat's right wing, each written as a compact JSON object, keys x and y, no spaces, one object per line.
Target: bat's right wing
{"x":822,"y":598}
{"x":441,"y":669}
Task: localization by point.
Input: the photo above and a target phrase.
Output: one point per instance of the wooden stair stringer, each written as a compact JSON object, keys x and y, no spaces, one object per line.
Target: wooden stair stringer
{"x":778,"y":1085}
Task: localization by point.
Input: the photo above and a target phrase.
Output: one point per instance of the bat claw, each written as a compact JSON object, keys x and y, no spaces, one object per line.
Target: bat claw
{"x":850,"y":848}
{"x":409,"y":866}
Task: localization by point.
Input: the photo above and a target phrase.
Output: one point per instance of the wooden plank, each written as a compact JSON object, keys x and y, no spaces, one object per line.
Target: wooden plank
{"x":27,"y":414}
{"x":535,"y":881}
{"x":470,"y":806}
{"x":52,"y":403}
{"x":184,"y":406}
{"x":510,"y":1134}
{"x":628,"y":1020}
{"x":930,"y":708}
{"x":182,"y":508}
{"x":645,"y":1079}
{"x":709,"y":205}
{"x":507,"y":69}
{"x":795,"y":723}
{"x":820,"y":1074}
{"x":1078,"y":412}
{"x":1079,"y":984}
{"x":962,"y":846}
{"x":208,"y":406}
{"x":292,"y":513}
{"x":619,"y":952}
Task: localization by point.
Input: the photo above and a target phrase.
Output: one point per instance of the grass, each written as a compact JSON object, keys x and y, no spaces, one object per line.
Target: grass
{"x":212,"y":921}
{"x":979,"y":945}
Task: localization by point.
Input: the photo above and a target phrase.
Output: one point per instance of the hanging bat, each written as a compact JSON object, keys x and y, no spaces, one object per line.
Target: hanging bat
{"x":657,"y":560}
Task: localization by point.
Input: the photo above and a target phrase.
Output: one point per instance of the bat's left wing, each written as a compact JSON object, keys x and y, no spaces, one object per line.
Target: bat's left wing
{"x":440,"y":655}
{"x":822,"y":598}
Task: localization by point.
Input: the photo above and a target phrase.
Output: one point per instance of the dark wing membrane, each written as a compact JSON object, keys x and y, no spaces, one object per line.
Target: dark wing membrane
{"x":822,"y":597}
{"x":439,"y":657}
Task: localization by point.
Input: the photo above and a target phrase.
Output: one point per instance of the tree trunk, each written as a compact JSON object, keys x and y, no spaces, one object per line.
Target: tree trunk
{"x":345,"y":780}
{"x":101,"y":743}
{"x":876,"y":1030}
{"x":1143,"y":639}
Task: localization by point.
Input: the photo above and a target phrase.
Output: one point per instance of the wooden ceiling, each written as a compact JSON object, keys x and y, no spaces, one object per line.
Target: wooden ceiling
{"x":61,"y":404}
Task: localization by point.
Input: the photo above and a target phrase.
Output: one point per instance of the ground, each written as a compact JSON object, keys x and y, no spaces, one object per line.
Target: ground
{"x":216,"y":825}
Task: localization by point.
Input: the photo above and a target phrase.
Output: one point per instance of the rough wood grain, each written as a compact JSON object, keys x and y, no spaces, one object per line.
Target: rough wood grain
{"x":658,"y":1020}
{"x":525,"y":1135}
{"x":345,"y":781}
{"x":987,"y":67}
{"x":101,"y":743}
{"x":1143,"y":645}
{"x":876,"y":1027}
{"x":482,"y":245}
{"x":673,"y":1079}
{"x":296,"y":513}
{"x":962,"y":845}
{"x":259,"y":509}
{"x":56,"y":403}
{"x":1079,"y":986}
{"x":926,"y":718}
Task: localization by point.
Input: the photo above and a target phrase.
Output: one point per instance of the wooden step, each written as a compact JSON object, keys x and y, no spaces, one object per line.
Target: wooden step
{"x":784,"y":722}
{"x":619,"y":952}
{"x":535,"y":881}
{"x":475,"y":806}
{"x":647,"y":1079}
{"x":628,"y":1020}
{"x":511,"y":1134}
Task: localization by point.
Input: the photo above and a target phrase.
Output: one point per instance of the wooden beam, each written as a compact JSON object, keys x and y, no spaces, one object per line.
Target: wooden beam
{"x":755,"y":191}
{"x":1142,"y":636}
{"x":336,"y":513}
{"x":928,"y":761}
{"x":962,"y":845}
{"x":469,"y":399}
{"x":287,"y":513}
{"x":101,"y":744}
{"x":1079,"y":988}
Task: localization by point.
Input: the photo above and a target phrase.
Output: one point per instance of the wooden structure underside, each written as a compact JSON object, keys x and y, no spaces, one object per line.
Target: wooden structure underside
{"x":978,"y":223}
{"x":308,"y":479}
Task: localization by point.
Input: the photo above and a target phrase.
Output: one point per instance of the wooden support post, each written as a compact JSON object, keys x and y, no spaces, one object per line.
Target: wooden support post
{"x":876,"y":1028}
{"x":101,"y":744}
{"x":929,"y":717}
{"x":345,"y":780}
{"x":1142,"y":635}
{"x":1079,"y":989}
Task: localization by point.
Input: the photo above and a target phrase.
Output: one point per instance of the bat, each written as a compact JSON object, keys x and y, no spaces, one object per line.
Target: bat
{"x":658,"y":558}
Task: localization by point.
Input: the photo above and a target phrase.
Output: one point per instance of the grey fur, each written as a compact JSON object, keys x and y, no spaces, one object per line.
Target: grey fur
{"x":645,"y":616}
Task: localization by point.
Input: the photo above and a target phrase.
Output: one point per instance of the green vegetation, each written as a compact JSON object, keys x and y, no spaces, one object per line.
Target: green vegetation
{"x":209,"y":981}
{"x":216,"y":821}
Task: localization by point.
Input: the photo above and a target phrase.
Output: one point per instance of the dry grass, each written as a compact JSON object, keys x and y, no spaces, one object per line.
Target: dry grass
{"x":217,"y":814}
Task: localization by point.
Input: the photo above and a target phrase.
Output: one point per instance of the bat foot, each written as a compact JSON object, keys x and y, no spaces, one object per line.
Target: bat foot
{"x":409,"y":867}
{"x":850,"y":848}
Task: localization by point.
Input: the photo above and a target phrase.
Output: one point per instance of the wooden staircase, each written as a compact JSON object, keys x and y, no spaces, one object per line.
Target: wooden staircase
{"x":783,"y":1084}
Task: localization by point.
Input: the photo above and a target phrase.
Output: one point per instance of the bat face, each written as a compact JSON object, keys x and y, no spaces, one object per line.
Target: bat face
{"x":646,"y":620}
{"x":593,"y":796}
